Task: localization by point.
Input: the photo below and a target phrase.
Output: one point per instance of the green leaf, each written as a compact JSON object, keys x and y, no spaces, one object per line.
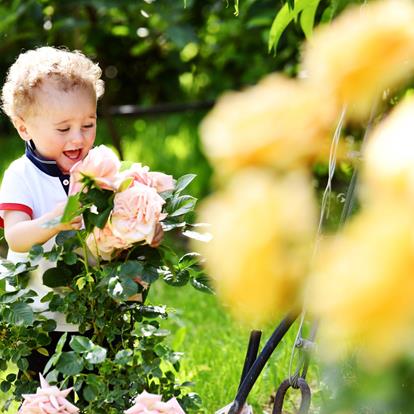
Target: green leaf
{"x":70,"y":258}
{"x":11,"y":377}
{"x":36,"y":252}
{"x":125,"y":184}
{"x":21,"y":314}
{"x":9,"y":297}
{"x":43,"y":351}
{"x":201,"y":283}
{"x":57,"y":277}
{"x":22,"y":364}
{"x":183,"y":182}
{"x":121,"y":288}
{"x":149,"y":274}
{"x":100,"y":219}
{"x":131,"y":269}
{"x":69,"y":363}
{"x":49,"y":325}
{"x":153,"y":311}
{"x":96,"y":355}
{"x":102,"y":199}
{"x":63,"y":236}
{"x":307,"y":17}
{"x":179,"y":278}
{"x":281,"y":21}
{"x":61,"y":343}
{"x":5,"y":386}
{"x":189,"y":259}
{"x":124,"y":357}
{"x":72,"y":209}
{"x":81,"y":344}
{"x":181,"y":205}
{"x":90,"y":393}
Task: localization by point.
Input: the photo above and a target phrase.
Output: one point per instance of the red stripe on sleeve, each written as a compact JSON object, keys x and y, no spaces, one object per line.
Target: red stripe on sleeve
{"x":15,"y":207}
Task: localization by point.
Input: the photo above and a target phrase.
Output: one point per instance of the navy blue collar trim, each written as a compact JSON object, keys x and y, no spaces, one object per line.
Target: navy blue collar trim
{"x":49,"y":167}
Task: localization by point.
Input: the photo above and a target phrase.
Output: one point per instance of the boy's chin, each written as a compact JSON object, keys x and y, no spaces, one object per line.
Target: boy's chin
{"x":66,"y":166}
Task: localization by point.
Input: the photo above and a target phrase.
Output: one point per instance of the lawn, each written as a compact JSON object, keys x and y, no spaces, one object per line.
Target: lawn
{"x":215,"y":345}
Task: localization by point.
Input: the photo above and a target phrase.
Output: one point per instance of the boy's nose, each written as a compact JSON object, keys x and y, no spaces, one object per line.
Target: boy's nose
{"x":77,"y":137}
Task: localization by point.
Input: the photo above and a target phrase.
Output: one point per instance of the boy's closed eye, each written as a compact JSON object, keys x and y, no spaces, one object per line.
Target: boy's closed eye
{"x":68,"y":128}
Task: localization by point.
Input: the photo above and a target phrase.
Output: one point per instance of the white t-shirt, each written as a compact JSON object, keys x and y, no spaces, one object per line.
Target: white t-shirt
{"x":35,"y":186}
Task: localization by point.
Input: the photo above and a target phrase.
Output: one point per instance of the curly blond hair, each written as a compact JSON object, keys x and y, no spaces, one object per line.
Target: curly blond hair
{"x":68,"y":68}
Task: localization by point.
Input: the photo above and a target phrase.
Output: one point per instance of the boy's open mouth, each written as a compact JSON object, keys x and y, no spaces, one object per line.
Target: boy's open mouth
{"x":73,"y":154}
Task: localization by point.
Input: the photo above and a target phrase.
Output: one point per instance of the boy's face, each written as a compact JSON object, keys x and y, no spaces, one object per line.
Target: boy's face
{"x":63,"y":124}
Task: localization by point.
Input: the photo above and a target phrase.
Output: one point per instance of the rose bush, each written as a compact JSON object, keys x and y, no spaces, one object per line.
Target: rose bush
{"x":100,"y":278}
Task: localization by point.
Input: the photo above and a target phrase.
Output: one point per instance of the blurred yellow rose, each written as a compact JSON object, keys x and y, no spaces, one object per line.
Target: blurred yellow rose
{"x":279,"y":122}
{"x":263,"y":227}
{"x":388,"y":170}
{"x":362,"y":286}
{"x":366,"y":50}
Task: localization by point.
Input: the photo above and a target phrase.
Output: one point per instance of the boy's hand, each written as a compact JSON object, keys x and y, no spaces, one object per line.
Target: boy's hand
{"x":159,"y":234}
{"x":74,"y":224}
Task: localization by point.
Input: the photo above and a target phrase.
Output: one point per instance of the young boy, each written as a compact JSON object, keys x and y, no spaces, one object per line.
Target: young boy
{"x":50,"y":95}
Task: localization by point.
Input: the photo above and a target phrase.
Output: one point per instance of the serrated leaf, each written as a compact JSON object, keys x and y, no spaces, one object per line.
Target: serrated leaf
{"x":189,"y":259}
{"x":201,"y":283}
{"x":183,"y":182}
{"x":182,"y":205}
{"x":179,"y":278}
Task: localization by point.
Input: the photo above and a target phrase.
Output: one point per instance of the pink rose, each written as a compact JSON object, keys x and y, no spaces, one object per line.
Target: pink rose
{"x":136,"y":213}
{"x":142,"y":174}
{"x":48,"y":399}
{"x":147,"y":403}
{"x":161,"y":182}
{"x":101,"y":164}
{"x":103,"y":243}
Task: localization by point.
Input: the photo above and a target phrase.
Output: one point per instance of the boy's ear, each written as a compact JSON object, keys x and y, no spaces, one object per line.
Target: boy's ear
{"x":21,"y":128}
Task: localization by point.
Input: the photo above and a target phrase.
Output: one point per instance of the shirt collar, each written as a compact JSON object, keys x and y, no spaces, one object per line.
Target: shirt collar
{"x":49,"y":167}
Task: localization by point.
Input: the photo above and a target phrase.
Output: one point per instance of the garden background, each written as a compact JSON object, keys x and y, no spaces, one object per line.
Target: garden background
{"x":167,"y":62}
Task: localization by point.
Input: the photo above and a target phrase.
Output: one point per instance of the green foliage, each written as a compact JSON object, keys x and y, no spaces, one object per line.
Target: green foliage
{"x":121,"y":348}
{"x":308,"y":13}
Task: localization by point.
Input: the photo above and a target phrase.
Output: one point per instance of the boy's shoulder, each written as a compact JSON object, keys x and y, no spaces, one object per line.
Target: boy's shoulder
{"x":20,"y":166}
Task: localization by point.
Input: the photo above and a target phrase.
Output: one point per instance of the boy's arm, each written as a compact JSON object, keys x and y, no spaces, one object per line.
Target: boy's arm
{"x":22,"y":233}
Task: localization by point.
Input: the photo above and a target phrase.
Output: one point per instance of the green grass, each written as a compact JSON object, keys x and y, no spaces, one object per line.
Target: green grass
{"x":214,"y":348}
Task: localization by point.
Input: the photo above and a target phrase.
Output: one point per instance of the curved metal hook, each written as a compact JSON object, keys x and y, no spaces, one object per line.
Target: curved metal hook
{"x":281,"y":392}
